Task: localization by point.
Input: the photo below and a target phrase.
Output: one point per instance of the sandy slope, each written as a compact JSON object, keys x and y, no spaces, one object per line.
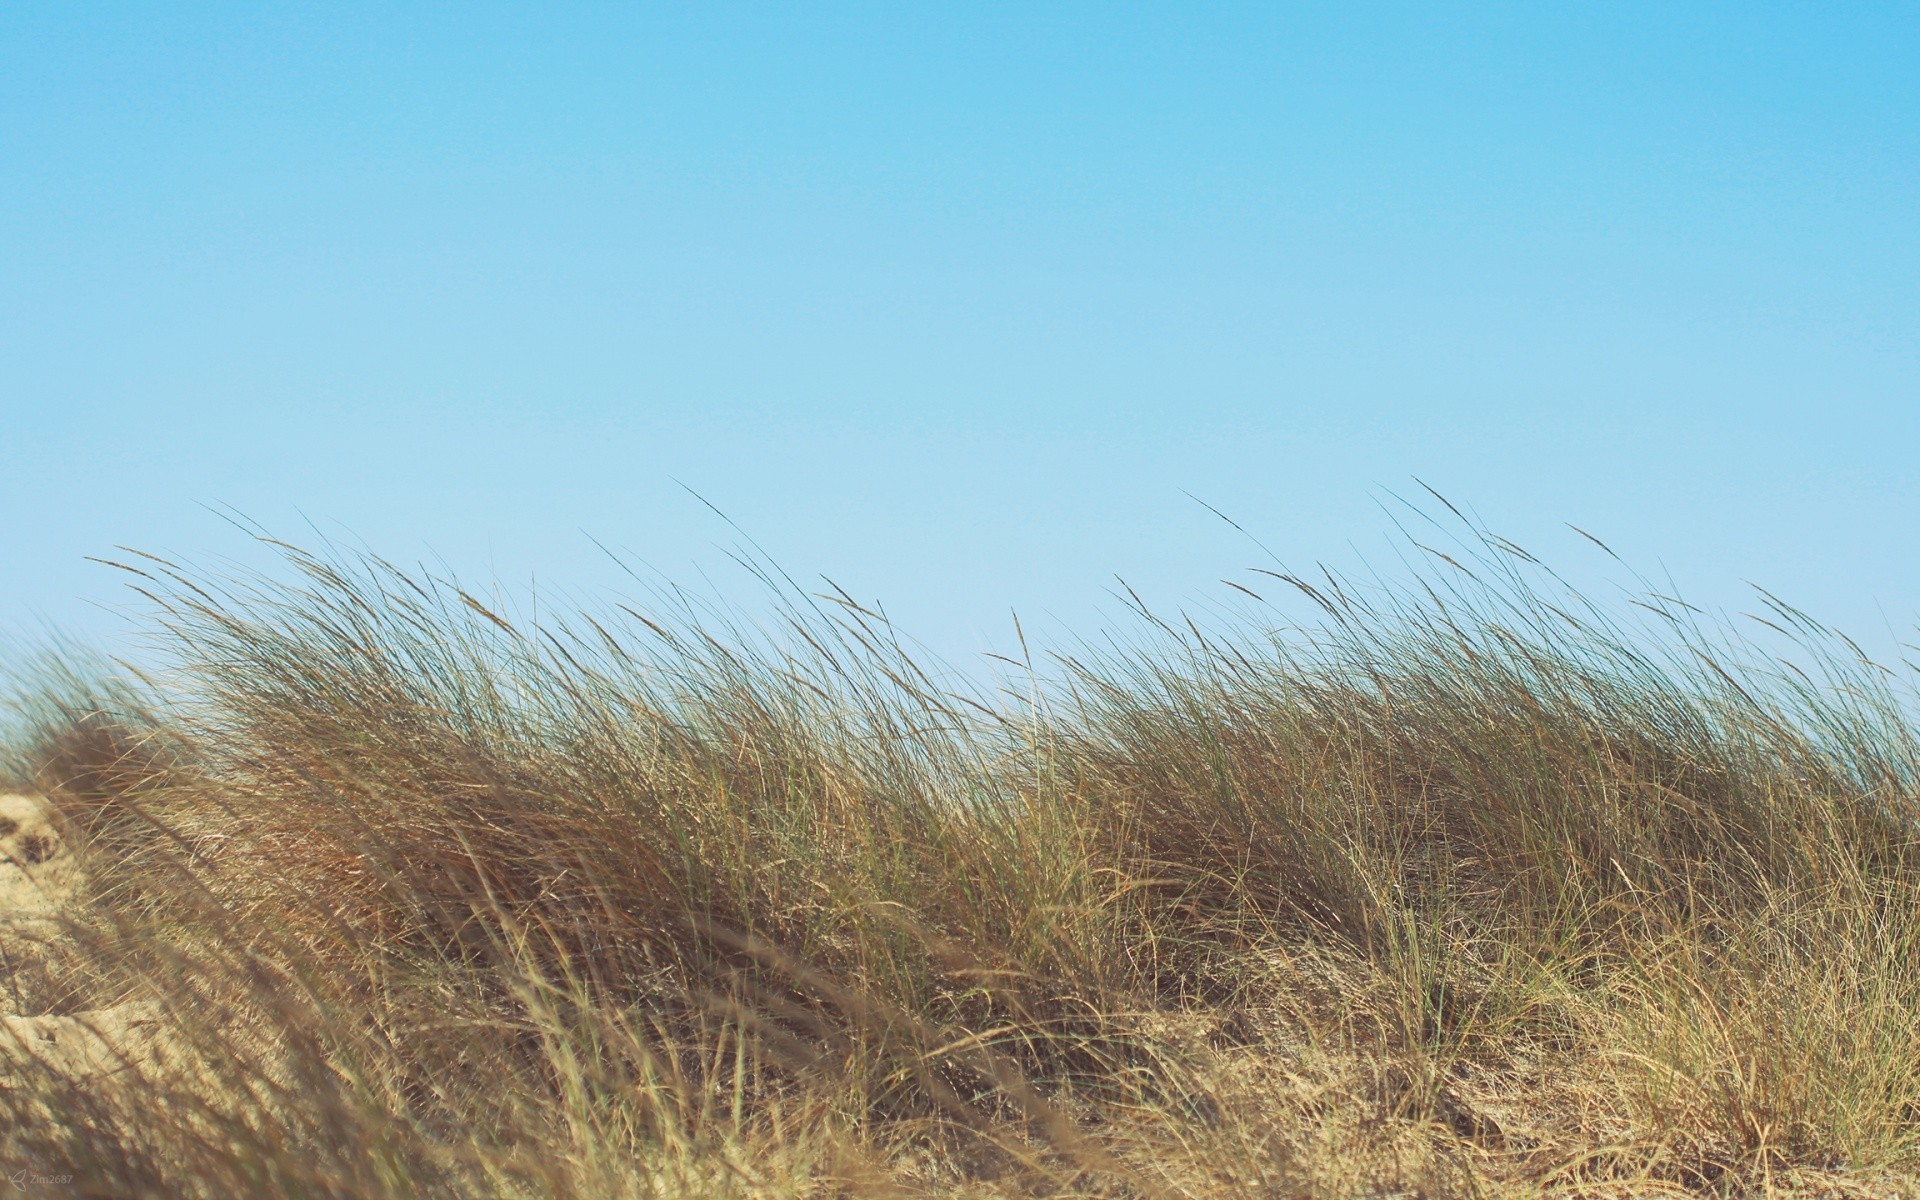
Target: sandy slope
{"x":43,"y":1024}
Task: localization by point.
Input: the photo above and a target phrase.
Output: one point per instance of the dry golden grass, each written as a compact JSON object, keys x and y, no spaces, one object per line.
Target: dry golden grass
{"x":1466,"y":889}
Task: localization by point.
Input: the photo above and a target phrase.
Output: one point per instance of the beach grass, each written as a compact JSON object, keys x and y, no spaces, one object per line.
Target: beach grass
{"x":1464,"y":886}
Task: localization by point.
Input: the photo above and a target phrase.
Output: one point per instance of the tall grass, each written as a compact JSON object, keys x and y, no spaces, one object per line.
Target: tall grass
{"x":1465,"y":887}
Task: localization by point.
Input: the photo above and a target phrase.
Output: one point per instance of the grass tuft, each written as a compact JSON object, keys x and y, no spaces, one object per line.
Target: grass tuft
{"x":1468,"y":887}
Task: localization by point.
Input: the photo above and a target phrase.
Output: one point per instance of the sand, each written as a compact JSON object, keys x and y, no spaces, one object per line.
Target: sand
{"x":44,"y":1022}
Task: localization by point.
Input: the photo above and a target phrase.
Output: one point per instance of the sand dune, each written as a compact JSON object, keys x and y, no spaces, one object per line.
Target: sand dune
{"x":44,"y":1022}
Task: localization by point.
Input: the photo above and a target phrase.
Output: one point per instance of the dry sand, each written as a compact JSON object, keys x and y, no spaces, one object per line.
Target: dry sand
{"x":45,"y":1023}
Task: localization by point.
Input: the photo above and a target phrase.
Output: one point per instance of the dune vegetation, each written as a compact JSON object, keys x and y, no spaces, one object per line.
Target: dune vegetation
{"x":1462,"y":887}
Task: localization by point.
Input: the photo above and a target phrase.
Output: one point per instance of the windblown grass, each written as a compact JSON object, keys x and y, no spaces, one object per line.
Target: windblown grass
{"x":1465,"y":888}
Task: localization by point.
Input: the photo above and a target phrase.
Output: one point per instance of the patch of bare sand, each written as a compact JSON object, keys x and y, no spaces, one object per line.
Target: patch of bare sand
{"x":38,"y":874}
{"x":45,"y":1024}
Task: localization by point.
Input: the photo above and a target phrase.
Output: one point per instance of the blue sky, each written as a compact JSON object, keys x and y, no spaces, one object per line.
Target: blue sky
{"x":955,"y":303}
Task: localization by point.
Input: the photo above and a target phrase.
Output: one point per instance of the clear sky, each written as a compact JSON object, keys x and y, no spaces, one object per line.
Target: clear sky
{"x":953,"y":303}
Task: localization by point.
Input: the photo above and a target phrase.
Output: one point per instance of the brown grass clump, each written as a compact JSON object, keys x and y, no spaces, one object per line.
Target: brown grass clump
{"x":1463,"y":890}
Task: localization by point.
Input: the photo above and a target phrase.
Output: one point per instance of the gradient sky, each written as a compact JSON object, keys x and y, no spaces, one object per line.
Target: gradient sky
{"x":954,"y":303}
